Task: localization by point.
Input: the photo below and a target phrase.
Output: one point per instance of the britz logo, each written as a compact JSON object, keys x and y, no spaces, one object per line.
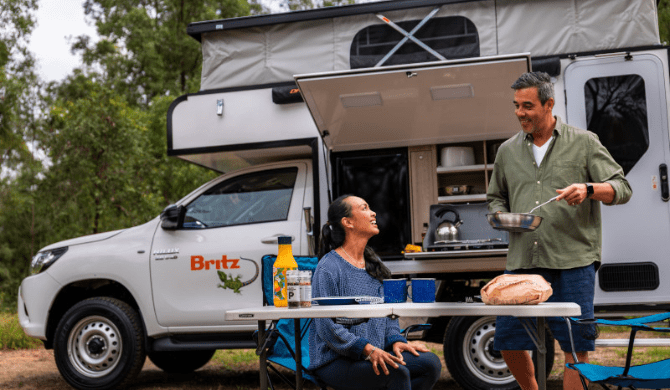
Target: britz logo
{"x":198,"y":263}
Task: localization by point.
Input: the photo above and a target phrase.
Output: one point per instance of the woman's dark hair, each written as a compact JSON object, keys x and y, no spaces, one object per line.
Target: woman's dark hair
{"x":333,"y":235}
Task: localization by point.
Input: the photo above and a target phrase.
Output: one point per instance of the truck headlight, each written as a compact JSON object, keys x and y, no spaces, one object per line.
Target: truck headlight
{"x":43,"y":260}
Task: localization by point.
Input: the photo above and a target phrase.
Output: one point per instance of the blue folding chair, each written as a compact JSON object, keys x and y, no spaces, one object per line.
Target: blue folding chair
{"x":280,"y":336}
{"x":647,"y":376}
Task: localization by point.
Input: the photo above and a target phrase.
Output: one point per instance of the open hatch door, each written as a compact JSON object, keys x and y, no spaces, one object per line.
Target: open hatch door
{"x":417,"y":104}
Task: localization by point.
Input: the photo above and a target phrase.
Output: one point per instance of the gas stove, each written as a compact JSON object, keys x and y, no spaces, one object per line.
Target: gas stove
{"x":462,"y":245}
{"x":474,"y":233}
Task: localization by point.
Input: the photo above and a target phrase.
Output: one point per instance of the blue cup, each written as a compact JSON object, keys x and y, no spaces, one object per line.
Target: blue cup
{"x":395,"y":290}
{"x":423,"y":290}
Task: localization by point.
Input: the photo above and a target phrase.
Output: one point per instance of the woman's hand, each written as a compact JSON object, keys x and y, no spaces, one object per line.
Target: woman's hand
{"x":380,"y":358}
{"x":414,"y":348}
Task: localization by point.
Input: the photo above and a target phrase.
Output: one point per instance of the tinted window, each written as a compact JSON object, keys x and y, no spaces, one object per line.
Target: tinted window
{"x":616,"y":110}
{"x":452,"y":37}
{"x":253,"y":198}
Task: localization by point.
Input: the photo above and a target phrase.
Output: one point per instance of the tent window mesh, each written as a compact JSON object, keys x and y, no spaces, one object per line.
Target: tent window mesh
{"x":453,"y":37}
{"x":628,"y":277}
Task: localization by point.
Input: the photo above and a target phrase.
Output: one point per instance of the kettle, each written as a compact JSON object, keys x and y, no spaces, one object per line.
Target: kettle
{"x":447,"y":230}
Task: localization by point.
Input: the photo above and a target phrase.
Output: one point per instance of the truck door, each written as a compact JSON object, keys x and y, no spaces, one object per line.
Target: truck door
{"x":623,"y":100}
{"x":212,"y":263}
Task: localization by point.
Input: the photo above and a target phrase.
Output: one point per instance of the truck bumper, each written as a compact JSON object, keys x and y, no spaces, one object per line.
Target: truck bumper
{"x":36,"y":295}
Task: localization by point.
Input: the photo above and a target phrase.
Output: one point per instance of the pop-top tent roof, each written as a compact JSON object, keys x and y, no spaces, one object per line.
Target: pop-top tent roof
{"x":267,"y":49}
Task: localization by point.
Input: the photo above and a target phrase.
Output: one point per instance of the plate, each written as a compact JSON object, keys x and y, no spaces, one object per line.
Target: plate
{"x":347,"y":300}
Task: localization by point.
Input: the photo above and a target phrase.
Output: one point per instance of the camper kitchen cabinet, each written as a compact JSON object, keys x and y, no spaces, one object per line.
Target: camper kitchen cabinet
{"x":298,"y":108}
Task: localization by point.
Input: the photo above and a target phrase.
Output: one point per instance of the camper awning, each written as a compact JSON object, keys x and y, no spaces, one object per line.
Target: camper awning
{"x":419,"y":104}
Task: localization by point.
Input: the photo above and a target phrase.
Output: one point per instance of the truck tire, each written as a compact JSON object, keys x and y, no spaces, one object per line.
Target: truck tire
{"x":99,"y":344}
{"x":180,"y":362}
{"x":471,"y":360}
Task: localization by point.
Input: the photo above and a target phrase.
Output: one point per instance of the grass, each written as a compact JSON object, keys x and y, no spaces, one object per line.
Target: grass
{"x":644,"y":355}
{"x":12,"y":335}
{"x":235,"y":359}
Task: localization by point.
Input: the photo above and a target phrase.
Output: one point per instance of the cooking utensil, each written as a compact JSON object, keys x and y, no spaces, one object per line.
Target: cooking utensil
{"x":517,"y":222}
{"x":538,"y":206}
{"x":448,"y":230}
{"x":454,"y":156}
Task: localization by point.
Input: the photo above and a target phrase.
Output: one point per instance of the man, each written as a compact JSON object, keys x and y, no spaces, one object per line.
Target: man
{"x":547,"y":158}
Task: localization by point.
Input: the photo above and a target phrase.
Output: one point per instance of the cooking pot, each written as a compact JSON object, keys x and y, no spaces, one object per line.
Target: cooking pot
{"x":454,"y":156}
{"x":447,"y":230}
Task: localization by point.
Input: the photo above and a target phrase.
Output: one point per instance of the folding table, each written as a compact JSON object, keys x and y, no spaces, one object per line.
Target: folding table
{"x":408,"y":309}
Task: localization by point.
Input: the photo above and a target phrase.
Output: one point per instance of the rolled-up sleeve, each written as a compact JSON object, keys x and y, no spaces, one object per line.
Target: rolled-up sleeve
{"x":604,"y":169}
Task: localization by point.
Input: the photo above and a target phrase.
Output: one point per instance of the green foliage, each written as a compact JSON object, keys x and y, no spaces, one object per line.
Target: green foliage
{"x":11,"y":334}
{"x":145,"y":51}
{"x":664,"y":21}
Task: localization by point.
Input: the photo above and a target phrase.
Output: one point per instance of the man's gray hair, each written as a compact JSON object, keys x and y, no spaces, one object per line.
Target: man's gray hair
{"x":539,"y":80}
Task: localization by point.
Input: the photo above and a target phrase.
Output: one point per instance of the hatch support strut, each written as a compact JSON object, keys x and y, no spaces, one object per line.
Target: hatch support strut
{"x":409,"y":36}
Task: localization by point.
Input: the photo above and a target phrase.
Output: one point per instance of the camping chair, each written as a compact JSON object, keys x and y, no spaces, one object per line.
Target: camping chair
{"x":647,"y":376}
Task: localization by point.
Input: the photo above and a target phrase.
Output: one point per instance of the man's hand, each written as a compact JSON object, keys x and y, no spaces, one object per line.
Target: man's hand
{"x":574,"y":194}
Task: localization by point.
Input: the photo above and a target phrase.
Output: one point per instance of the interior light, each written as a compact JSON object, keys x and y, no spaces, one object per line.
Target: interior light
{"x":458,"y":91}
{"x":365,"y":99}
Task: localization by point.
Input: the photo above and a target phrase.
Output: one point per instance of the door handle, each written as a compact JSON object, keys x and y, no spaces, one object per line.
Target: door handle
{"x":273,"y":239}
{"x":665,"y":192}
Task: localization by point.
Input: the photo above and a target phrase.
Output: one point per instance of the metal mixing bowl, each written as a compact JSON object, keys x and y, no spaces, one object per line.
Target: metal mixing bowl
{"x":514,"y":222}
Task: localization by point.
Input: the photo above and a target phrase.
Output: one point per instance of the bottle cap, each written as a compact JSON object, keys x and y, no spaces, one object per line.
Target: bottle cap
{"x":284,"y":240}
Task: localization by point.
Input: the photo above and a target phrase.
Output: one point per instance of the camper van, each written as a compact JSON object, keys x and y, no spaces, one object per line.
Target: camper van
{"x":403,"y":103}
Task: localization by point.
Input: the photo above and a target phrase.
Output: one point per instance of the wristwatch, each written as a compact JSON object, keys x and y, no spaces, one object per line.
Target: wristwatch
{"x":589,"y":189}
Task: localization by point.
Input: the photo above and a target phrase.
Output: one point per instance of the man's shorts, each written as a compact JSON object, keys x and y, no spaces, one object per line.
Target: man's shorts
{"x":570,"y":285}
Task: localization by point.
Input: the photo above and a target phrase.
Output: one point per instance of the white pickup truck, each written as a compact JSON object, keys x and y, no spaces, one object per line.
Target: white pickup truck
{"x":369,"y":114}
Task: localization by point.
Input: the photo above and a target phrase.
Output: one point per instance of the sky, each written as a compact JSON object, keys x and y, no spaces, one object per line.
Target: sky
{"x":56,"y":21}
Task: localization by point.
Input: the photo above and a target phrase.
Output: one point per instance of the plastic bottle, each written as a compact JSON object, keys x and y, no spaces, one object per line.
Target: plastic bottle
{"x":293,"y":288}
{"x":305,"y":288}
{"x":284,"y":262}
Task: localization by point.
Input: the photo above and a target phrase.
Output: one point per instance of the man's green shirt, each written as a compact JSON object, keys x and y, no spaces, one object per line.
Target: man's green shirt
{"x":569,"y":236}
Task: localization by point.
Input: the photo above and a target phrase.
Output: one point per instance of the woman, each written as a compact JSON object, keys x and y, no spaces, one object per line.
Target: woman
{"x":354,"y":356}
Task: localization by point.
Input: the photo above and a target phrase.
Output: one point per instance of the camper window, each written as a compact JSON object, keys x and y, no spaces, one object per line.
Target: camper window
{"x":253,"y":198}
{"x":616,"y":110}
{"x":452,"y":36}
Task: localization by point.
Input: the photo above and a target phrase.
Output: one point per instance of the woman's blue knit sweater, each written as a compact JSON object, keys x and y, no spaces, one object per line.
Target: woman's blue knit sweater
{"x":333,"y":277}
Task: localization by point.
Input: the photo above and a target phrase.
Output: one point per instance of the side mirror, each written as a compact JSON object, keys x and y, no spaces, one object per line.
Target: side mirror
{"x":173,"y":217}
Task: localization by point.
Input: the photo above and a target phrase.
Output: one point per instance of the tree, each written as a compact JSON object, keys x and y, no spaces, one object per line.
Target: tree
{"x":17,"y":80}
{"x":664,"y":20}
{"x":145,"y":51}
{"x":18,"y":167}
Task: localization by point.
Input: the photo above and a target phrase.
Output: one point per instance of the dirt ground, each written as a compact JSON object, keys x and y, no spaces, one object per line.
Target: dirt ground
{"x":36,"y":369}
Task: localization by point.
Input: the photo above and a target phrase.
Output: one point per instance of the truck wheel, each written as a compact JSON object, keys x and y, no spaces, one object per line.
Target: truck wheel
{"x":99,"y":344}
{"x":471,"y":360}
{"x":180,"y":362}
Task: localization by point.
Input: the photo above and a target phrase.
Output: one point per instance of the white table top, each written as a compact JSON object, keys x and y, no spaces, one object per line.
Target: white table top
{"x":409,"y":309}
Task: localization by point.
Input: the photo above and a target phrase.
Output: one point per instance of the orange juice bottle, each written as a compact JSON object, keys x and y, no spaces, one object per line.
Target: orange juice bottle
{"x":285,"y":262}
